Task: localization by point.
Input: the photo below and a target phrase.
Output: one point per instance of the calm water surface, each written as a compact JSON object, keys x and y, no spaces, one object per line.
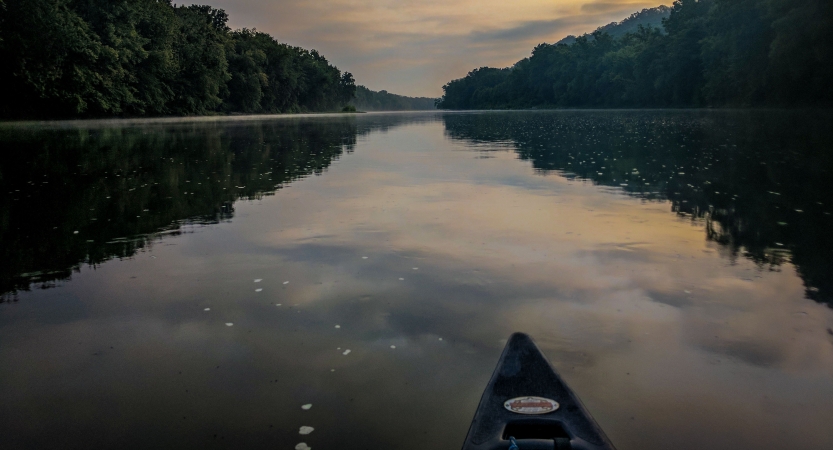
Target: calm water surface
{"x":192,"y":284}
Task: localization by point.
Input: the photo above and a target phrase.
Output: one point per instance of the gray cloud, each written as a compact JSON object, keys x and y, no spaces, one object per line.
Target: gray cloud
{"x":535,"y":29}
{"x":608,"y":6}
{"x":416,"y":47}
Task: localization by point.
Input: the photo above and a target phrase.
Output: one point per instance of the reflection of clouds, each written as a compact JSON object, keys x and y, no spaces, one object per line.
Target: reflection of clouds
{"x":244,"y":383}
{"x":415,"y":47}
{"x":523,"y":252}
{"x":597,"y":278}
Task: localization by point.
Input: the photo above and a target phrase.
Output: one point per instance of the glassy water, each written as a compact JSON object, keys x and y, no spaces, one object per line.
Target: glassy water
{"x":196,"y":283}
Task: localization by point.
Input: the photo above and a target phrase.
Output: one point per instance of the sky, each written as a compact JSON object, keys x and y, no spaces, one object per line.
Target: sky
{"x":414,"y":47}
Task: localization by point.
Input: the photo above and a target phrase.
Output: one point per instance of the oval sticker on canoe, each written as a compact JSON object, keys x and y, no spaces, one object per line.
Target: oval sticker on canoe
{"x":531,"y":405}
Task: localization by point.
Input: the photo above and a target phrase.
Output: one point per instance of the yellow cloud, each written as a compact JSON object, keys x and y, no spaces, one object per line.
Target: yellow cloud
{"x":414,"y":47}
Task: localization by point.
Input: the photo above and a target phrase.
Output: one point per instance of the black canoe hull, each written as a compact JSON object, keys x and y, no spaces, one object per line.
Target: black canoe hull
{"x":523,"y":371}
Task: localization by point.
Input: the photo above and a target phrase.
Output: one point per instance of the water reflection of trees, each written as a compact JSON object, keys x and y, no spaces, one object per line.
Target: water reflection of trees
{"x":83,"y":195}
{"x":760,"y":181}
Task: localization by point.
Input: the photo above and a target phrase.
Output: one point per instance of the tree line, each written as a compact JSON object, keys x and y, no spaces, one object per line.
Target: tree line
{"x":708,"y":53}
{"x":92,"y":58}
{"x":367,"y":100}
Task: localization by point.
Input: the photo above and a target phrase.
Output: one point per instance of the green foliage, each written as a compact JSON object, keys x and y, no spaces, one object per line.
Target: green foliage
{"x":247,"y":62}
{"x":709,"y":53}
{"x":801,"y":51}
{"x":200,"y":53}
{"x":71,"y":58}
{"x":49,"y":55}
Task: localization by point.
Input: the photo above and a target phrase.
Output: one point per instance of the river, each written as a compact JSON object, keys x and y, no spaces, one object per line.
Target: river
{"x":199,"y":283}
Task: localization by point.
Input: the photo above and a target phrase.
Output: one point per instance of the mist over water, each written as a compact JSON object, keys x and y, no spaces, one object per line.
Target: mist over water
{"x":196,"y":282}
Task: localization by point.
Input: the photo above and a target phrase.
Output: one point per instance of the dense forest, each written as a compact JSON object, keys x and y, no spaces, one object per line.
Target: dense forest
{"x":367,"y":100}
{"x":708,"y":53}
{"x":92,"y":58}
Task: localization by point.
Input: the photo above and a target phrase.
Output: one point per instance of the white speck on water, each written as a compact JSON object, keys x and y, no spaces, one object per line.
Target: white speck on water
{"x":306,"y":407}
{"x":74,"y":232}
{"x":416,"y":268}
{"x":338,"y":348}
{"x":346,"y":352}
{"x":401,"y":279}
{"x":153,"y":257}
{"x":364,"y":257}
{"x":207,"y":309}
{"x":303,"y":446}
{"x":258,"y":280}
{"x":441,"y":338}
{"x":392,"y":346}
{"x":258,"y":289}
{"x":278,"y":304}
{"x":305,"y":430}
{"x":338,"y":326}
{"x":332,"y":370}
{"x":779,"y":244}
{"x":228,"y":324}
{"x":285,"y":282}
{"x":687,"y":292}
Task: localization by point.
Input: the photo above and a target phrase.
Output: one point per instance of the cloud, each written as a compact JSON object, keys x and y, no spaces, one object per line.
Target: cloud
{"x":534,"y":29}
{"x":608,"y":6}
{"x":414,"y":47}
{"x":735,"y":348}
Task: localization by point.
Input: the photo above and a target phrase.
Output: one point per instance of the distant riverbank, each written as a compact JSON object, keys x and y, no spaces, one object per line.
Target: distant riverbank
{"x":707,"y":53}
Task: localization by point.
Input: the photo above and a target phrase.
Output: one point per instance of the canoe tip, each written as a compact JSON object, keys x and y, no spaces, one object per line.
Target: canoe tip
{"x":518,"y":336}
